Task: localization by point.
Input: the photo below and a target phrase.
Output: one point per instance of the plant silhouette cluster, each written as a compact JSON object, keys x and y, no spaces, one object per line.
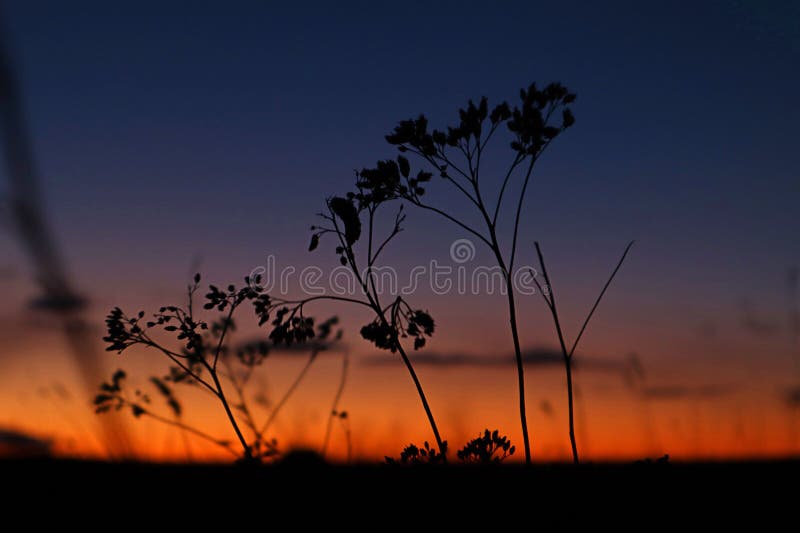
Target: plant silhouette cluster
{"x":205,"y":357}
{"x":455,"y":154}
{"x":488,"y":448}
{"x":351,"y":220}
{"x":549,"y":298}
{"x":356,"y":221}
{"x":415,"y":455}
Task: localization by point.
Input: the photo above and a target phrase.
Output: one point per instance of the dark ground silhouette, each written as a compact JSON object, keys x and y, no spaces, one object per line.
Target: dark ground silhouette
{"x":644,"y":496}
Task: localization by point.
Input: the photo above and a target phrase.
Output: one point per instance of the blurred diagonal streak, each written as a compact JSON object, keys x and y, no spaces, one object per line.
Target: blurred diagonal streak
{"x":29,"y":224}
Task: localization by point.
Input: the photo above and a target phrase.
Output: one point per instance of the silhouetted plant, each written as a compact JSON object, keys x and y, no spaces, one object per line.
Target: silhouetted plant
{"x":335,"y":414}
{"x":344,"y":420}
{"x":113,"y":395}
{"x":550,"y":300}
{"x":204,"y":345}
{"x":414,"y":455}
{"x":487,"y":448}
{"x":455,"y":154}
{"x":391,"y":321}
{"x":660,"y":461}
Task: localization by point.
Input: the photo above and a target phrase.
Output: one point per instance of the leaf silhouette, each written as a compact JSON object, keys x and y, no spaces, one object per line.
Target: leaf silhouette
{"x":347,"y":212}
{"x":314,"y":242}
{"x":405,"y":167}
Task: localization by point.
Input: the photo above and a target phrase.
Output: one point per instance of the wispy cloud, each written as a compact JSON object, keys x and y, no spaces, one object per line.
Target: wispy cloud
{"x":678,"y":392}
{"x":530,"y":357}
{"x":16,"y":443}
{"x":334,"y":346}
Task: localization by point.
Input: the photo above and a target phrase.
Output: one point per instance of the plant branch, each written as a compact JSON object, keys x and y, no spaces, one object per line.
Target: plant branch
{"x":174,"y":357}
{"x":185,"y":427}
{"x":288,"y":394}
{"x":517,"y":160}
{"x":519,"y":213}
{"x":322,"y":297}
{"x":600,"y":297}
{"x":439,"y":442}
{"x":238,"y":387}
{"x":225,"y":327}
{"x":227,"y":407}
{"x":565,"y":354}
{"x":452,"y":219}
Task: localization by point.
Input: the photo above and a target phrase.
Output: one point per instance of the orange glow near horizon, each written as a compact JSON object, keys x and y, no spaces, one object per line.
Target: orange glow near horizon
{"x":700,"y":397}
{"x":614,"y":421}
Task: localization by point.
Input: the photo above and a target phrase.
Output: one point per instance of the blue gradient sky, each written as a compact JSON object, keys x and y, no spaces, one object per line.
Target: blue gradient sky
{"x":237,"y":122}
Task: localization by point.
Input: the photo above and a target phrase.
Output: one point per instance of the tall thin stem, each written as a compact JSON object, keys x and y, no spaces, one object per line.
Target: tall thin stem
{"x":225,"y":328}
{"x":567,"y":354}
{"x":520,"y":203}
{"x":571,"y":409}
{"x":221,"y":395}
{"x":512,"y":318}
{"x":374,"y":303}
{"x":523,"y":417}
{"x":439,"y":442}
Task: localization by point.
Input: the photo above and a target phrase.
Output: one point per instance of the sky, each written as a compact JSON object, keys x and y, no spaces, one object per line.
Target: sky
{"x":205,"y":136}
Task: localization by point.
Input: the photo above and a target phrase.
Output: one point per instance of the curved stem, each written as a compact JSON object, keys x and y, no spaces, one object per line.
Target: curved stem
{"x":221,"y":395}
{"x":519,"y":213}
{"x":324,"y":297}
{"x":517,"y":161}
{"x":375,"y":305}
{"x":567,"y":355}
{"x":439,"y":443}
{"x":224,"y":332}
{"x":523,"y":417}
{"x":174,"y":358}
{"x":452,"y":219}
{"x":512,"y":319}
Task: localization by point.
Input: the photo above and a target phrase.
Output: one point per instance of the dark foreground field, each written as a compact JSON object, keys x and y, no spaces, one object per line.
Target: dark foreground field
{"x":640,"y":496}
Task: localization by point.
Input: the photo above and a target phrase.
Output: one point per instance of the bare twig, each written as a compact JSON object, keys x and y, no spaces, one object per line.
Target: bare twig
{"x":567,"y":354}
